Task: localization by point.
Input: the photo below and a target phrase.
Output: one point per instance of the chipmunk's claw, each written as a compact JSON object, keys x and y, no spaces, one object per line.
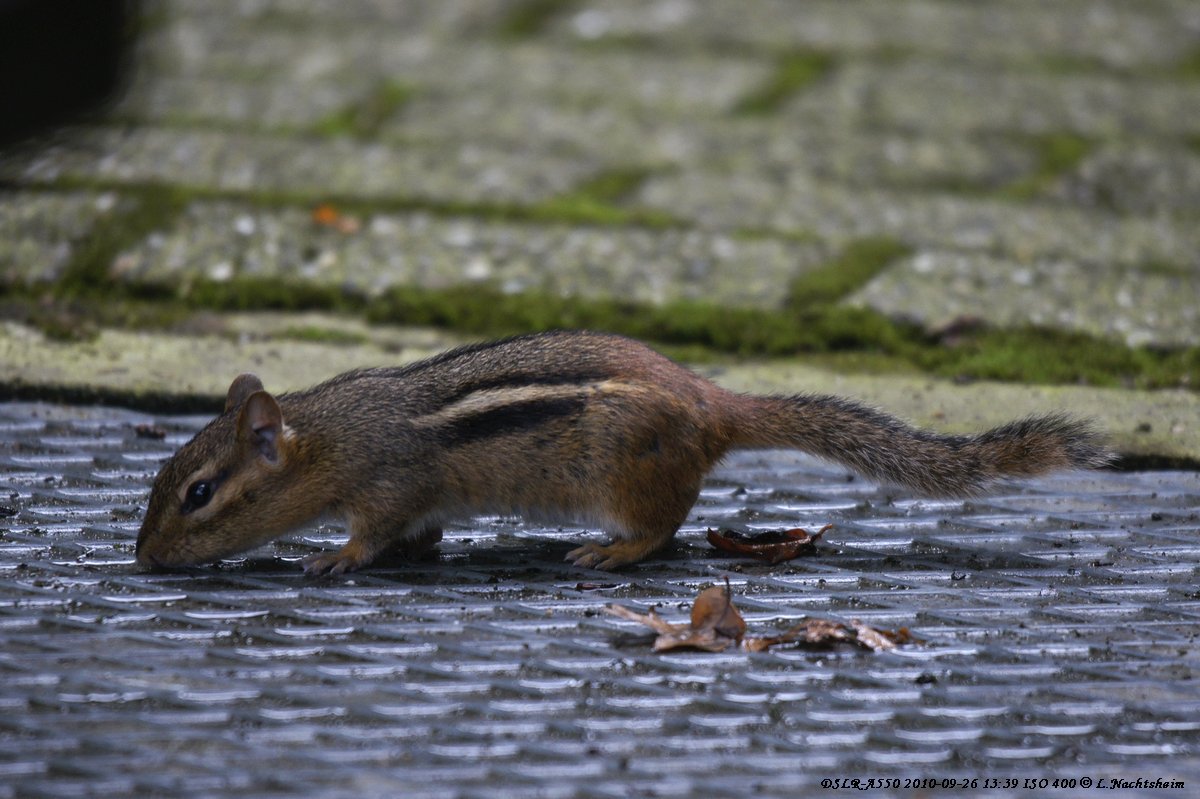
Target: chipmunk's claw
{"x":339,"y":562}
{"x":588,"y":556}
{"x":611,"y":556}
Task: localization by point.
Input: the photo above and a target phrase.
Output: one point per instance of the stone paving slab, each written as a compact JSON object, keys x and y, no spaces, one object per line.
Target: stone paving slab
{"x":434,"y":17}
{"x":224,"y":240}
{"x":937,"y":288}
{"x":1057,"y":623}
{"x":267,"y":106}
{"x":233,"y":38}
{"x":247,"y":56}
{"x":39,"y":232}
{"x":237,"y":162}
{"x":159,"y":363}
{"x":936,"y":96}
{"x":1135,"y":178}
{"x":1116,"y":34}
{"x":965,"y":237}
{"x":797,"y":202}
{"x":825,"y":148}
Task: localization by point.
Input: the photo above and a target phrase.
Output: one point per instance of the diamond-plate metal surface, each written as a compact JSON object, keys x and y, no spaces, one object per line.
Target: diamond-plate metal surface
{"x":1059,"y":621}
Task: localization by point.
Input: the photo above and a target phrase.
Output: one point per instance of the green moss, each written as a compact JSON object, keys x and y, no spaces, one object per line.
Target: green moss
{"x":1049,"y":356}
{"x":614,"y":185}
{"x":857,"y":264}
{"x":837,"y":334}
{"x":793,"y":72}
{"x":597,"y":201}
{"x":1057,"y":154}
{"x":830,"y":335}
{"x":269,"y":294}
{"x":528,"y":18}
{"x":143,"y":210}
{"x":589,"y":204}
{"x":322,"y":335}
{"x":1166,"y":269}
{"x":1188,"y":67}
{"x":58,"y":320}
{"x":365,"y":118}
{"x":488,"y":312}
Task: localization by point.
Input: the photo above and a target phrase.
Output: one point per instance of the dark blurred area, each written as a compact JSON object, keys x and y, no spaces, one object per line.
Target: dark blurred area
{"x":59,"y":60}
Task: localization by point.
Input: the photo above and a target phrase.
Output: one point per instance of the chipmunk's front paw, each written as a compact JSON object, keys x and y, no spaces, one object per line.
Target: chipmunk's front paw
{"x":344,"y":560}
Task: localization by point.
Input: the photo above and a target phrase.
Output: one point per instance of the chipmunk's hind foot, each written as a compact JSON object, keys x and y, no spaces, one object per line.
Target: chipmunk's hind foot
{"x":619,"y":553}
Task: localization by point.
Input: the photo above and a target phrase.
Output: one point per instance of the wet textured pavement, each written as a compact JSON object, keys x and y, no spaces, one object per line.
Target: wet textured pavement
{"x":1058,"y":621}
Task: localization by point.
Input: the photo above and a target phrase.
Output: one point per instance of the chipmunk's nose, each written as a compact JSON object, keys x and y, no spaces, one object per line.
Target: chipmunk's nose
{"x":145,"y":558}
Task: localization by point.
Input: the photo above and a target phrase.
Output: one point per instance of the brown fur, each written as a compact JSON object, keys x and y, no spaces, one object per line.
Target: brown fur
{"x":568,"y":425}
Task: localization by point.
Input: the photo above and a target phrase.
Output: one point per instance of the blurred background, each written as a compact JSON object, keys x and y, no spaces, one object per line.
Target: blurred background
{"x":1004,"y":189}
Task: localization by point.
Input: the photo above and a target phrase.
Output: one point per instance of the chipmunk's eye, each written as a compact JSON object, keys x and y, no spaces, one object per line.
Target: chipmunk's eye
{"x":198,"y":495}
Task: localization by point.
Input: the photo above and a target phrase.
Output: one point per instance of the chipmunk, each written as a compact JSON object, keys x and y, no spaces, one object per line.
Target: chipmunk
{"x":556,"y":426}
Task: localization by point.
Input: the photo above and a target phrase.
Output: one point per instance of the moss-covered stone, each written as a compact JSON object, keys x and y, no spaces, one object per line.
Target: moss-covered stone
{"x":1057,"y":154}
{"x":794,"y":72}
{"x":364,"y":118}
{"x":527,"y":18}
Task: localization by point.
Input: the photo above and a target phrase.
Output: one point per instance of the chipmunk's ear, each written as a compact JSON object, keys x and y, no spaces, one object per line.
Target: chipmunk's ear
{"x":260,"y":425}
{"x":242,"y":386}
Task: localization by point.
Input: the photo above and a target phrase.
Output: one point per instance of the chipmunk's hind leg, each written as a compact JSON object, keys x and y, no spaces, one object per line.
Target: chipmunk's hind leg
{"x":651,"y":480}
{"x":643,"y":525}
{"x":619,"y":553}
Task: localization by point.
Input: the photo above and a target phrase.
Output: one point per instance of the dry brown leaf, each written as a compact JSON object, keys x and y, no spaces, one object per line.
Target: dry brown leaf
{"x":880,"y":640}
{"x":823,"y":632}
{"x":715,"y":625}
{"x":773,"y":547}
{"x":651,"y":619}
{"x":327,"y":215}
{"x":714,"y":610}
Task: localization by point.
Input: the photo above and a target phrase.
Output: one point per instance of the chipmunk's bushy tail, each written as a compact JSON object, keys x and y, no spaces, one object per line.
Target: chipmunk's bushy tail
{"x":886,"y":449}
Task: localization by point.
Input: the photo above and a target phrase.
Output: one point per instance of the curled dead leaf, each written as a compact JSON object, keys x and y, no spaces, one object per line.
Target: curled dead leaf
{"x":880,"y":640}
{"x":714,"y":610}
{"x":824,"y":632}
{"x":773,"y":546}
{"x":716,"y":625}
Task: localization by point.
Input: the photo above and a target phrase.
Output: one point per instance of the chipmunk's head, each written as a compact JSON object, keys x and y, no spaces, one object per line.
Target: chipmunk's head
{"x":218,"y":495}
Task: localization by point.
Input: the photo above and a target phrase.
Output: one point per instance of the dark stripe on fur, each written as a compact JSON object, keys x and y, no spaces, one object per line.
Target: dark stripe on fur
{"x":516,"y":417}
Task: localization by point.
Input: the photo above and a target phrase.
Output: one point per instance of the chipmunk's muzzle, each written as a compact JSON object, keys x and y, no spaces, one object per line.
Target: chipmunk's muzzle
{"x":149,"y":553}
{"x":145,"y":558}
